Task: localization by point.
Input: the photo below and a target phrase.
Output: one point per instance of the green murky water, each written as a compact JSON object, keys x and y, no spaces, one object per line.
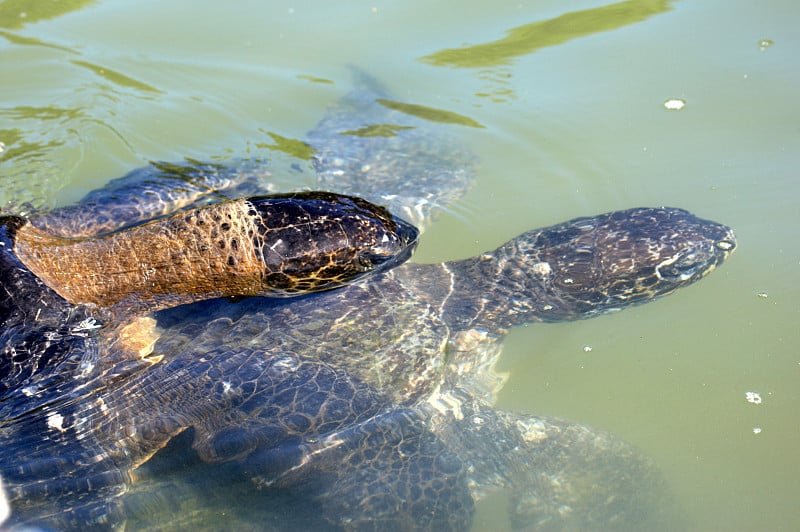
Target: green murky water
{"x":564,"y":104}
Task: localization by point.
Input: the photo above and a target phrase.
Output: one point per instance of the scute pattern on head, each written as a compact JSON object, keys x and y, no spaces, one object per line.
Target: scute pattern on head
{"x":312,"y":241}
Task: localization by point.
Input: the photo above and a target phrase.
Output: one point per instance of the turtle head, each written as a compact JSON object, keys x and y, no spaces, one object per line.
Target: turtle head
{"x":607,"y":262}
{"x":313,"y":241}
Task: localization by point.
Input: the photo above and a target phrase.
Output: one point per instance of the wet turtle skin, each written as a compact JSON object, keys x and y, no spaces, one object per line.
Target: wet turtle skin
{"x":365,"y":408}
{"x":372,"y":402}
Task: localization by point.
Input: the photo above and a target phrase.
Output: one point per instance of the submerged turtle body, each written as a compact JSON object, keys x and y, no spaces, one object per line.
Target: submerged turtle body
{"x":369,"y":407}
{"x":396,"y":427}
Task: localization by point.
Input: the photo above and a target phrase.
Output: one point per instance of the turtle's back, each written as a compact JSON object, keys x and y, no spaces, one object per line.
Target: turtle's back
{"x":379,"y":331}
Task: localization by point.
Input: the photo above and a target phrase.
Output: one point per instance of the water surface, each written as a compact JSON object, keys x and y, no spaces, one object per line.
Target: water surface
{"x":564,"y":105}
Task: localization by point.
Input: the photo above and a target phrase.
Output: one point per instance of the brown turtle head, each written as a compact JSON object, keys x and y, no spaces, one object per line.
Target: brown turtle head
{"x":312,"y":241}
{"x":607,"y":262}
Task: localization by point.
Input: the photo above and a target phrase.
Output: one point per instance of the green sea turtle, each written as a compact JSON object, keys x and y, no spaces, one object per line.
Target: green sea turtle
{"x":58,"y":289}
{"x":369,"y":407}
{"x":271,"y":245}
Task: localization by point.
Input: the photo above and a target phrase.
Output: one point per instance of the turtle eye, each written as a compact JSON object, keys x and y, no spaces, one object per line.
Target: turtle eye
{"x":367,"y":261}
{"x":677,"y":272}
{"x":375,"y":256}
{"x":683,"y":266}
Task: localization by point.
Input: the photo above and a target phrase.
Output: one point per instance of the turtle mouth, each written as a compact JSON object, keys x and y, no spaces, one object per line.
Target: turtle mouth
{"x":394,"y":247}
{"x":683,"y":267}
{"x":407,"y":233}
{"x":698,"y":261}
{"x":725,"y":246}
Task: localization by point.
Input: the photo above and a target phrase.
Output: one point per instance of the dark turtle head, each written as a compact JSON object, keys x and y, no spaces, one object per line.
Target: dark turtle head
{"x":312,"y":241}
{"x":609,"y":261}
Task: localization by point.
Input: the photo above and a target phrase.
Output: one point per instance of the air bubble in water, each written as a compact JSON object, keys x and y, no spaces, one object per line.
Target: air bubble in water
{"x":674,"y":104}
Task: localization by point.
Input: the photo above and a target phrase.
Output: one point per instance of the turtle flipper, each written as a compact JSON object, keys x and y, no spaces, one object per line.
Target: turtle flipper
{"x":310,"y":429}
{"x":387,"y":473}
{"x":560,"y":475}
{"x":53,"y":479}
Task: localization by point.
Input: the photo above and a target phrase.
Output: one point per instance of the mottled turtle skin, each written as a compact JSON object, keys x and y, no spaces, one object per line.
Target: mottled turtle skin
{"x":365,"y":408}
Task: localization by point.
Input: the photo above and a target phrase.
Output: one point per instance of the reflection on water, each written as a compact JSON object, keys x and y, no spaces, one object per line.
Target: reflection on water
{"x":493,"y":57}
{"x":32,"y":173}
{"x":116,"y":77}
{"x":91,"y":90}
{"x":14,"y":14}
{"x":529,"y":38}
{"x":292,"y":147}
{"x":31,"y":41}
{"x":429,"y":113}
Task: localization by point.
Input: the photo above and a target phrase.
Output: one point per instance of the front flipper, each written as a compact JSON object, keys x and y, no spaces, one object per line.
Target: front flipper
{"x":311,"y":430}
{"x":387,"y":473}
{"x":560,"y":475}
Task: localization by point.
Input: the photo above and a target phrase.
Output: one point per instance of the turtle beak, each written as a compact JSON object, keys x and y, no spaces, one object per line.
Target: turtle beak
{"x":406,"y":232}
{"x":699,"y":260}
{"x":394,"y":248}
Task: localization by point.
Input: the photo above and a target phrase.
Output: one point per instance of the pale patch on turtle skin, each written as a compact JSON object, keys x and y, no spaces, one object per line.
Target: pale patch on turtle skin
{"x":531,"y":430}
{"x":475,"y":373}
{"x":56,"y":421}
{"x":466,"y":371}
{"x":542,"y":269}
{"x":139,"y":336}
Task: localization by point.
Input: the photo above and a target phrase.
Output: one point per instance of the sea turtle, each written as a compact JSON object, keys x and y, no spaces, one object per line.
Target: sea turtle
{"x":57,"y":289}
{"x":369,"y":407}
